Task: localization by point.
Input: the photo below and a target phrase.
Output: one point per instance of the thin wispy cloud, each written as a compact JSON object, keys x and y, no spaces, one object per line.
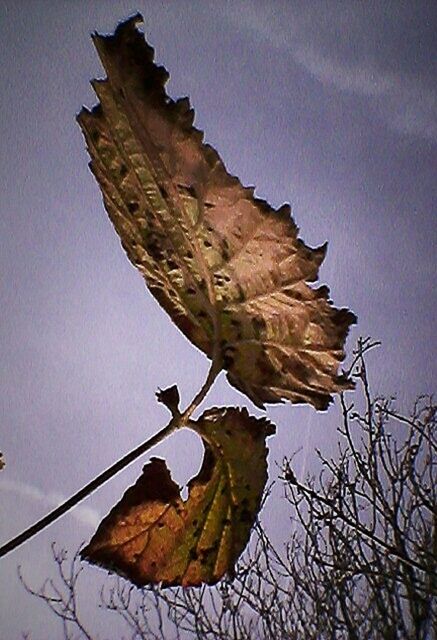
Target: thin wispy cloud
{"x":382,"y":52}
{"x":86,"y":516}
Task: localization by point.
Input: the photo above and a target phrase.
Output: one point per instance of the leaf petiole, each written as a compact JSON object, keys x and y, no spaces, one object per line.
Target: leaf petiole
{"x":174,"y":424}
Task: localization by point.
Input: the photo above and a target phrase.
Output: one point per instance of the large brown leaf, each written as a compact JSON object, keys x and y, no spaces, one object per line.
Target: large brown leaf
{"x":152,"y":535}
{"x":228,"y":268}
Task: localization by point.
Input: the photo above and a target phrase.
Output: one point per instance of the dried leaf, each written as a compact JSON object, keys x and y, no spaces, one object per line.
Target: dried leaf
{"x":2,"y":461}
{"x":152,"y":535}
{"x":227,"y":267}
{"x":170,"y":398}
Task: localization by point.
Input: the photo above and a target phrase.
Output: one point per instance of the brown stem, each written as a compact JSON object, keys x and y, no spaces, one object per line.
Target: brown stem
{"x":175,"y":423}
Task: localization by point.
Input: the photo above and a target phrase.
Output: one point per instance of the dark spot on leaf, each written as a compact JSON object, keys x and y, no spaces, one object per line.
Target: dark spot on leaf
{"x":132,"y":207}
{"x":191,"y":291}
{"x":172,"y":264}
{"x":123,"y":170}
{"x":246,"y":516}
{"x":95,"y":136}
{"x":241,"y":294}
{"x":228,"y":361}
{"x":155,"y":252}
{"x":258,"y":323}
{"x":202,"y":314}
{"x":154,"y":248}
{"x":163,"y":191}
{"x":189,"y":255}
{"x":191,"y":190}
{"x":193,"y":554}
{"x":207,"y":244}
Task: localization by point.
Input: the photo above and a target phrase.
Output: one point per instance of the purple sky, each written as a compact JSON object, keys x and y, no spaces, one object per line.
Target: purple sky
{"x":329,"y":107}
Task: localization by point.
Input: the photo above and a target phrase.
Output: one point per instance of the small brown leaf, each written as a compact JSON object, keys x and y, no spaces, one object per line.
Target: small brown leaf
{"x":229,"y":269}
{"x":170,"y":398}
{"x":153,"y":536}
